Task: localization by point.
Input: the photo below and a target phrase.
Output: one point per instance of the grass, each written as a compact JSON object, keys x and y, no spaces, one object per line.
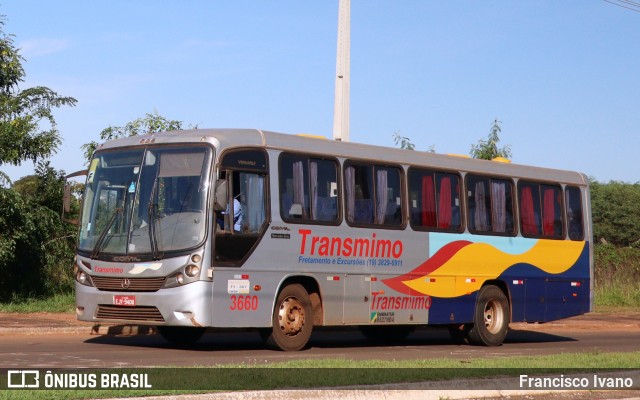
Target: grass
{"x":60,"y":303}
{"x":618,"y":294}
{"x":617,"y":276}
{"x":342,"y":372}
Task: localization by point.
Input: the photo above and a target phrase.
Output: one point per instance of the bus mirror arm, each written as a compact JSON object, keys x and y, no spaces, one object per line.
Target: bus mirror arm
{"x":220,"y":202}
{"x":67,"y":196}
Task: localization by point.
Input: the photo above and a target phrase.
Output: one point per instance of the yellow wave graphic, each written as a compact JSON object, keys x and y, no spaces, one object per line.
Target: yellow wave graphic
{"x":472,"y":265}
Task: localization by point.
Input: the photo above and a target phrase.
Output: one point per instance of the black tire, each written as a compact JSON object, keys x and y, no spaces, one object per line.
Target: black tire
{"x":388,"y":333}
{"x":491,"y":317}
{"x":459,"y":333}
{"x":181,"y":335}
{"x":292,"y":320}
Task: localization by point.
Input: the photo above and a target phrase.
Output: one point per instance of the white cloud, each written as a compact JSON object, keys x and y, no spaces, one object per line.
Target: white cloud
{"x":42,"y":46}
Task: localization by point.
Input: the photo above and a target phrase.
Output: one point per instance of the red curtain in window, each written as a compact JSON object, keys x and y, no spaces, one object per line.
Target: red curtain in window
{"x":526,"y":209}
{"x":548,"y":212}
{"x":428,"y":211}
{"x":444,"y":205}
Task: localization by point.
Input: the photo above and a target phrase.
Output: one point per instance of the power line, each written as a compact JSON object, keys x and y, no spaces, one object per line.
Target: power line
{"x":634,"y":5}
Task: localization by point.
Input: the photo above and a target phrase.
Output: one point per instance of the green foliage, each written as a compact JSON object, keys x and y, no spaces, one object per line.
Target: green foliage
{"x":488,"y":149}
{"x":24,"y":112}
{"x":403,"y":142}
{"x":36,"y":248}
{"x":616,"y":213}
{"x":57,"y":303}
{"x":617,"y":275}
{"x":150,"y":123}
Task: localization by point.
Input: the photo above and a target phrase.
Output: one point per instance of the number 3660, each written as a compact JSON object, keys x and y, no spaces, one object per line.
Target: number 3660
{"x":243,"y":303}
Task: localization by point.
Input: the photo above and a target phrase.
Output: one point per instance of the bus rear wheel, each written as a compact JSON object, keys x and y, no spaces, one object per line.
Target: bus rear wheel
{"x":292,"y":320}
{"x":181,"y":335}
{"x":491,"y":317}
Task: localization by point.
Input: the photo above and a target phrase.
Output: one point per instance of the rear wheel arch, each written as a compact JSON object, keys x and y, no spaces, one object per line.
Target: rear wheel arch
{"x":296,"y":308}
{"x":491,"y":316}
{"x":311,"y":286}
{"x":502,"y":285}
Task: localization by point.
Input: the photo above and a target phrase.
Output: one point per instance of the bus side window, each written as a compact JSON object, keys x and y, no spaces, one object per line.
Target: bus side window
{"x":373,"y":195}
{"x":529,"y":201}
{"x":434,"y":200}
{"x":490,"y":205}
{"x":573,"y":203}
{"x":540,"y":210}
{"x":308,"y":189}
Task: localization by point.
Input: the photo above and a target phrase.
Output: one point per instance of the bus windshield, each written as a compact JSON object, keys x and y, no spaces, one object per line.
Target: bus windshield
{"x":145,"y":201}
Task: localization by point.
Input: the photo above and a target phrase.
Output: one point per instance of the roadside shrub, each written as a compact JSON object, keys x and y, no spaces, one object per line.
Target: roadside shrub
{"x":36,"y":247}
{"x":617,"y":275}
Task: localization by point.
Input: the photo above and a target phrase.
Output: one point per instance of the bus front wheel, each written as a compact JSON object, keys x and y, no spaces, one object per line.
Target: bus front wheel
{"x":491,"y":317}
{"x":292,"y":319}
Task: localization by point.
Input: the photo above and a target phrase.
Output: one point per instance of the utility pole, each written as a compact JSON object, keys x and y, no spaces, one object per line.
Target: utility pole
{"x":341,"y":106}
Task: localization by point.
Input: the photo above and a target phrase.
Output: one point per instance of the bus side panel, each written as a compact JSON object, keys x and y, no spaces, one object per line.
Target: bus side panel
{"x":517,"y":298}
{"x":568,"y":294}
{"x":535,"y":297}
{"x":546,"y":297}
{"x":457,"y":310}
{"x":237,"y":303}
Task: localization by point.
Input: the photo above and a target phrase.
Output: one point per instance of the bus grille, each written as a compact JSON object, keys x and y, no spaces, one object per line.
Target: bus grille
{"x":128,"y":284}
{"x":137,"y":313}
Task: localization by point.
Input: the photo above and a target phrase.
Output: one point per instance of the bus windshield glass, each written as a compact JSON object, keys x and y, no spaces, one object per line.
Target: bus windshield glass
{"x":145,"y":201}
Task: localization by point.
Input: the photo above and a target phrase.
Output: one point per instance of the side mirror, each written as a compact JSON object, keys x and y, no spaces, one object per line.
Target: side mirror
{"x":67,"y":197}
{"x":220,"y":200}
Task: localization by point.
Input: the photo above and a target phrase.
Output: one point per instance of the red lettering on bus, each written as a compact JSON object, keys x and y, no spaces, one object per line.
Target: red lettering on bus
{"x":379,"y":302}
{"x":348,"y":247}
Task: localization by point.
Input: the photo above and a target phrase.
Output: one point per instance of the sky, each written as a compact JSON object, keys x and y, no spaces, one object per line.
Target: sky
{"x":562,"y":77}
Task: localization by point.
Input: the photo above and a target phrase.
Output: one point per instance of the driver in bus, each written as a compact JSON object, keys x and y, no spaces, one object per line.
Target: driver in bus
{"x":237,"y":216}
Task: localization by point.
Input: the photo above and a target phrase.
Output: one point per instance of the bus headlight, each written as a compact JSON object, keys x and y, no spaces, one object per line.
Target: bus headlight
{"x":180,"y":279}
{"x":83,"y":278}
{"x":192,"y":270}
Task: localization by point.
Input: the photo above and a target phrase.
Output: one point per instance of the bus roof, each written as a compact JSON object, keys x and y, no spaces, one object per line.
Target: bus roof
{"x":232,"y":138}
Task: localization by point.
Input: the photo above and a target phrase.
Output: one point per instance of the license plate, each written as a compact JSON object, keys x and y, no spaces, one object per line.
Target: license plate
{"x":128,"y":301}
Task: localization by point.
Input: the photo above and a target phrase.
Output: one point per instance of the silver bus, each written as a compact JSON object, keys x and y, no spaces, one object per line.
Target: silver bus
{"x":235,"y":228}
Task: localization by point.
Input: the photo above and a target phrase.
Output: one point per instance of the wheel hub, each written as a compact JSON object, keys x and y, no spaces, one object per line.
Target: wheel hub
{"x":291,"y":316}
{"x":493,"y":316}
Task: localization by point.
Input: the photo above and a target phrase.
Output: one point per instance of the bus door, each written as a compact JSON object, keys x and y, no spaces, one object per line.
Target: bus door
{"x":240,"y":205}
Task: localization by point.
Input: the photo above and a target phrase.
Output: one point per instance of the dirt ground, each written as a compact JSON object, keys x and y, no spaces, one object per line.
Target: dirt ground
{"x":603,"y":319}
{"x":589,"y":395}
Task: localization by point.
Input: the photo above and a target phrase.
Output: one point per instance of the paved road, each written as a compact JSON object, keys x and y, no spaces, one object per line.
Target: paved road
{"x":84,"y":350}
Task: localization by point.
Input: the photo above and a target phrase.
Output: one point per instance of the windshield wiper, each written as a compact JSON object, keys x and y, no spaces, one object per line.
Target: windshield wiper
{"x":152,"y":231}
{"x":153,"y":216}
{"x":99,"y":244}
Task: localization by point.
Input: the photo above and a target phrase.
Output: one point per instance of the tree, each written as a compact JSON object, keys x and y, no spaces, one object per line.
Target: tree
{"x":488,"y":149}
{"x":403,"y":142}
{"x":616,"y":213}
{"x":36,"y":248}
{"x":150,"y":123}
{"x":28,"y":129}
